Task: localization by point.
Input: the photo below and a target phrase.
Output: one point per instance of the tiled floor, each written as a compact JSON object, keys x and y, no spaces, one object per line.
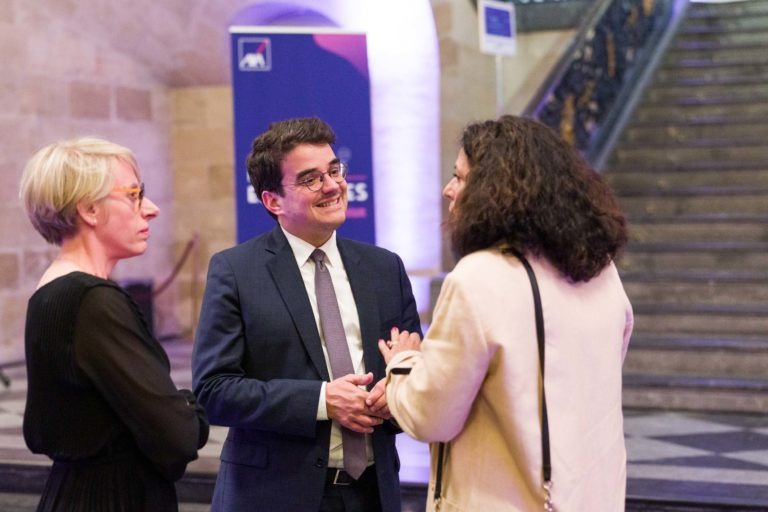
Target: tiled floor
{"x":698,"y":458}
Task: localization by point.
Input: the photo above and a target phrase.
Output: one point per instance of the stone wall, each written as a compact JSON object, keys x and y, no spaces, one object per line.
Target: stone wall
{"x":57,"y":82}
{"x":202,"y":153}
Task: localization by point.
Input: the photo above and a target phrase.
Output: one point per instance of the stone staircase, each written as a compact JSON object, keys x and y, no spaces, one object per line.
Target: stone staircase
{"x":691,"y":170}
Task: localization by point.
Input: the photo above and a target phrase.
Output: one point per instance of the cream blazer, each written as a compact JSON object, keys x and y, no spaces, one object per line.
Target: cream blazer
{"x":475,"y":385}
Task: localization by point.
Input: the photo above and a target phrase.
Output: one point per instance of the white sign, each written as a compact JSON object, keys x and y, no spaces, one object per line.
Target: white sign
{"x":498,"y":30}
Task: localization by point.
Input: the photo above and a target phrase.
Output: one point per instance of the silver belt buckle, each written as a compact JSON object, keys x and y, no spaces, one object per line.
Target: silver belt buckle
{"x":336,"y":478}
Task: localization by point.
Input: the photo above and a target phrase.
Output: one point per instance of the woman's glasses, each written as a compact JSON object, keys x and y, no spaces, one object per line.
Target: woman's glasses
{"x":135,"y":193}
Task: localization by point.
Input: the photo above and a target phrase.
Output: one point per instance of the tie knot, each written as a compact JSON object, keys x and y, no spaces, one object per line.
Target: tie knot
{"x":318,"y":256}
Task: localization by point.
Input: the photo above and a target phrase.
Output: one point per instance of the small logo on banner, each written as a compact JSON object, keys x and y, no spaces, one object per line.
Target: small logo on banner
{"x":254,"y":54}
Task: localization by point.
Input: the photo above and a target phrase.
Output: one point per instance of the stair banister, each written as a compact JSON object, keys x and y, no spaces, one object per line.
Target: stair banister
{"x":594,"y":85}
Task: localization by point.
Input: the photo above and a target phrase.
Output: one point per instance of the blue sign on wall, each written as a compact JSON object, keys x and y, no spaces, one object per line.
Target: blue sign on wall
{"x":280,"y":75}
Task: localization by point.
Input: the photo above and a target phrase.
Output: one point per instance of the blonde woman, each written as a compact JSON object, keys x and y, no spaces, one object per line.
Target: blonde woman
{"x":100,"y":400}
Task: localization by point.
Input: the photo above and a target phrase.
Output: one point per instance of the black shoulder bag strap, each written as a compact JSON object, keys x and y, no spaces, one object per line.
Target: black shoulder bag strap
{"x":546,"y":462}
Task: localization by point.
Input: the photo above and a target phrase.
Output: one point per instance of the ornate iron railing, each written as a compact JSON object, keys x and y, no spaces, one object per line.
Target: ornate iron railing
{"x":616,"y":38}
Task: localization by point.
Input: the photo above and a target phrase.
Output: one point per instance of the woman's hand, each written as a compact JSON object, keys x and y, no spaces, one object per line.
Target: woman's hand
{"x":399,"y":342}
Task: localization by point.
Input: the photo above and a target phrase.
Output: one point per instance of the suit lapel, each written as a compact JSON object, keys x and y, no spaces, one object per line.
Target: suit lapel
{"x":366,"y":300}
{"x":288,"y":280}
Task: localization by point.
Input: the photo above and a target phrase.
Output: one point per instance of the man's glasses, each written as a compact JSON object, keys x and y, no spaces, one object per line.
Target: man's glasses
{"x":135,"y":193}
{"x":314,"y":180}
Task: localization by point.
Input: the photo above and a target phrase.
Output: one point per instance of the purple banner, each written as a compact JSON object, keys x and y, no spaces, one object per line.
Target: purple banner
{"x":278,"y":75}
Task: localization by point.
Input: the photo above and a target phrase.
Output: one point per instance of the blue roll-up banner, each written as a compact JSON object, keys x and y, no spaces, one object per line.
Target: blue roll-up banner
{"x":278,"y":75}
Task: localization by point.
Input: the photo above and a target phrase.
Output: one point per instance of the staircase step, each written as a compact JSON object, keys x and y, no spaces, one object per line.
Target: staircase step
{"x":734,"y":200}
{"x":674,"y":231}
{"x":692,"y":111}
{"x":700,"y":218}
{"x":708,"y":341}
{"x":715,"y":247}
{"x":715,"y":41}
{"x":698,"y":276}
{"x":665,"y":139}
{"x":700,"y":309}
{"x":734,"y":56}
{"x":693,"y":134}
{"x":670,"y":180}
{"x":649,"y":155}
{"x":701,"y":256}
{"x":726,"y":9}
{"x":712,"y":74}
{"x":733,"y":98}
{"x":715,"y":55}
{"x":712,"y":291}
{"x":695,"y":191}
{"x":695,"y":393}
{"x":670,"y":80}
{"x":701,"y":318}
{"x":688,"y":355}
{"x":662,"y":91}
{"x":688,"y":167}
{"x":757,"y":22}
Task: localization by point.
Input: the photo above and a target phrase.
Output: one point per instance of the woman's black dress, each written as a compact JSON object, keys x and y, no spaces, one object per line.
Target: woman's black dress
{"x":101,"y":403}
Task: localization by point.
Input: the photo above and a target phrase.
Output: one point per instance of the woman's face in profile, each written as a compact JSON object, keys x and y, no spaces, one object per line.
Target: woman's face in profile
{"x":123,"y":227}
{"x":459,"y":179}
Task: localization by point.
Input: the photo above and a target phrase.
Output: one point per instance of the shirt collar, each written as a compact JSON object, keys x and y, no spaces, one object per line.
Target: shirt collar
{"x":303,"y":250}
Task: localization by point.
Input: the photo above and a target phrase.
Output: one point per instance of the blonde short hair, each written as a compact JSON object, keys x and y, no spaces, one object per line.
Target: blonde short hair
{"x":63,"y":174}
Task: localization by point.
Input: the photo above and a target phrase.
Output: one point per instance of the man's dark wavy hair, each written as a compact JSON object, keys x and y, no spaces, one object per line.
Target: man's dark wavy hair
{"x":530,"y":190}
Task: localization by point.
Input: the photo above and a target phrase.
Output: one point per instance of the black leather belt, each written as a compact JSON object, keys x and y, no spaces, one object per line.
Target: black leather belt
{"x":337,"y":476}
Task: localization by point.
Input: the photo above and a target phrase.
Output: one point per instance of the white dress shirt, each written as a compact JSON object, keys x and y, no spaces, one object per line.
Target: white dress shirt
{"x":349,"y":317}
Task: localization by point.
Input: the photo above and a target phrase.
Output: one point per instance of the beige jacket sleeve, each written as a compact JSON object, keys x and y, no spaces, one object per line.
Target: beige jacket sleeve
{"x":432,"y":403}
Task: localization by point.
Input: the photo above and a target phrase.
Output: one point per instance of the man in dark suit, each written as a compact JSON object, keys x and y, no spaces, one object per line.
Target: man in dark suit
{"x":263,"y":360}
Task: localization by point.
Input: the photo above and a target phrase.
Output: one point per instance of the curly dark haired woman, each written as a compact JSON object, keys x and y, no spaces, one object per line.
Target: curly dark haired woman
{"x":521,"y":194}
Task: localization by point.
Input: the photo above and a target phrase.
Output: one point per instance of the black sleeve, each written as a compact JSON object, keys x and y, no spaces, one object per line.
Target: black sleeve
{"x":202,"y":419}
{"x":129,"y":368}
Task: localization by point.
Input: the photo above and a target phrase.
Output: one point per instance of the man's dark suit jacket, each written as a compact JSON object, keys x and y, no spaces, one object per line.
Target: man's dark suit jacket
{"x":258,"y":366}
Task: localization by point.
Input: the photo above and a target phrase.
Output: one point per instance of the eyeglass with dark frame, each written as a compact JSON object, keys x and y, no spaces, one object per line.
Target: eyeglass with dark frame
{"x":314,"y":180}
{"x":135,"y":193}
